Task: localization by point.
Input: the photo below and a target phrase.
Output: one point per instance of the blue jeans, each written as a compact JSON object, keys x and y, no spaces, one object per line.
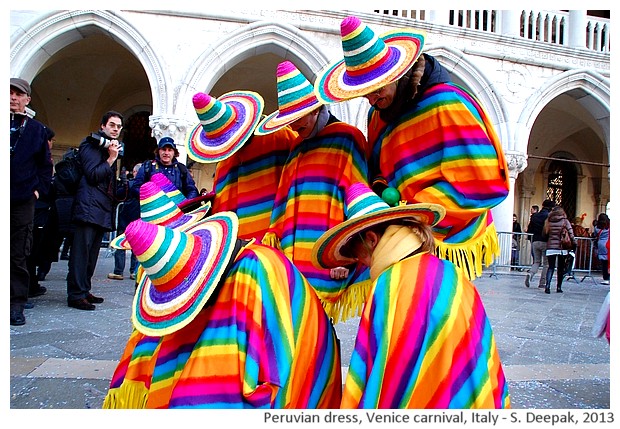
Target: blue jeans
{"x":119,"y":262}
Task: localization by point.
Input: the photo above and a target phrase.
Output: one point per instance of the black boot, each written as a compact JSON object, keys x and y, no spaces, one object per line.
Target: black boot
{"x":547,"y":289}
{"x":559,"y":289}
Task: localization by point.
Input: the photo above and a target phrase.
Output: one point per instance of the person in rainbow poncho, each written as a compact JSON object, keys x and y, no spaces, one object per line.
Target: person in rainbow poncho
{"x":428,"y":138}
{"x":247,"y":172}
{"x":326,"y":158}
{"x":222,"y":322}
{"x":424,"y":339}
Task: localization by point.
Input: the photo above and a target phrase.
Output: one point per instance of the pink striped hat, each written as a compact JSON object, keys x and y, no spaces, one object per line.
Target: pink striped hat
{"x":182,"y":270}
{"x":226,"y":123}
{"x":295,"y":99}
{"x":158,"y":208}
{"x":369,"y":63}
{"x":364,"y":209}
{"x":186,"y":205}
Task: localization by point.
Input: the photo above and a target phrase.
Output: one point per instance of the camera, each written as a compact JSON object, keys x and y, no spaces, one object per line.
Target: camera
{"x":104,"y":143}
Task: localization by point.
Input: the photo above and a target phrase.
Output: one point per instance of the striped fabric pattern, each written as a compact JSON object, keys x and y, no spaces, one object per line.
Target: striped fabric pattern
{"x":445,"y":151}
{"x":246,"y":183}
{"x":168,"y":187}
{"x":158,"y":208}
{"x":369,"y":61}
{"x":295,"y":93}
{"x":425,"y":342}
{"x":295,"y":99}
{"x":264,"y":342}
{"x":311,"y":194}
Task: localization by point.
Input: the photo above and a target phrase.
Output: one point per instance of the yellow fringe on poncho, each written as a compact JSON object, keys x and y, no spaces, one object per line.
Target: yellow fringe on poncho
{"x":130,"y":395}
{"x":469,"y":257}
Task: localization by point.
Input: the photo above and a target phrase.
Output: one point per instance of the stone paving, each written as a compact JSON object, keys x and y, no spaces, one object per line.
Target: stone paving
{"x":64,"y":358}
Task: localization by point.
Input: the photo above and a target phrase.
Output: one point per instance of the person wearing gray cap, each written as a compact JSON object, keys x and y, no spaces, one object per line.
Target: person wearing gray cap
{"x":31,"y":176}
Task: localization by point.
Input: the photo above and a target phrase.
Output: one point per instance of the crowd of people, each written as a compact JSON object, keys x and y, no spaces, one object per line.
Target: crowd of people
{"x":309,"y":222}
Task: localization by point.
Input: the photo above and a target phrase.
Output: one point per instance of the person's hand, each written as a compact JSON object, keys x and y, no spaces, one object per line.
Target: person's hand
{"x":113,"y":150}
{"x":36,"y":194}
{"x":339,"y":273}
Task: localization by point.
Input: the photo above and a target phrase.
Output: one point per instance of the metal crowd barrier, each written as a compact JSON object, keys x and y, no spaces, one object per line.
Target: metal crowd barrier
{"x":516,"y":255}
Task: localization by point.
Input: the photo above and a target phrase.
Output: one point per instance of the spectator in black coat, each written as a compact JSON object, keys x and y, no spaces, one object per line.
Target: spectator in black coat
{"x":44,"y":236}
{"x":31,"y":174}
{"x":93,"y":208}
{"x":539,"y":244}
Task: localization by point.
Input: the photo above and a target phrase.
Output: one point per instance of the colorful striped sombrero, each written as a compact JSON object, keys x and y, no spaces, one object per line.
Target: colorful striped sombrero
{"x":364,"y":209}
{"x":226,"y":123}
{"x":369,"y":63}
{"x":158,"y":208}
{"x":183,"y":268}
{"x":168,"y":187}
{"x":186,"y":205}
{"x":295,"y":99}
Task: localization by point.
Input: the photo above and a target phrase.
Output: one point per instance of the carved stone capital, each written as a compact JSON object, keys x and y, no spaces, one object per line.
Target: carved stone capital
{"x":169,"y":126}
{"x":517,"y":162}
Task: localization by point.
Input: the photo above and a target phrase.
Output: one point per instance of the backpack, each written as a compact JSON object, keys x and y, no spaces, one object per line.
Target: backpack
{"x":69,"y":171}
{"x":152,"y":164}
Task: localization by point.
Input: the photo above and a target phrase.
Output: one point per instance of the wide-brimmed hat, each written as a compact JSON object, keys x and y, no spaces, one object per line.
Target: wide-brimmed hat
{"x":226,"y":124}
{"x":158,"y":208}
{"x":364,"y":209}
{"x":183,"y":269}
{"x":296,"y":98}
{"x":168,"y":187}
{"x":369,"y":63}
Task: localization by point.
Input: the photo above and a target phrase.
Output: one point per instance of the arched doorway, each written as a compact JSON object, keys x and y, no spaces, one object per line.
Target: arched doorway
{"x":562,"y":186}
{"x":139,"y":144}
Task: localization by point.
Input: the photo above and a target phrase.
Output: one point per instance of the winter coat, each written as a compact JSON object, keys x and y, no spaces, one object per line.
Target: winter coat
{"x":128,"y":212}
{"x":601,"y":238}
{"x":30,"y":161}
{"x":554,"y":224}
{"x":95,"y":201}
{"x":177,"y":173}
{"x":537,"y":222}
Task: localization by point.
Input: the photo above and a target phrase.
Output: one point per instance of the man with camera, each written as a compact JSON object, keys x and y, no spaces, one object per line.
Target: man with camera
{"x":94,"y":207}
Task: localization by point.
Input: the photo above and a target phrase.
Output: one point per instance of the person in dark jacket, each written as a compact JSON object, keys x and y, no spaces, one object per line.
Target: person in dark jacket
{"x":166,"y":162}
{"x":128,"y":212}
{"x":93,"y":208}
{"x":31,"y":174}
{"x":44,"y":236}
{"x":601,"y":239}
{"x":539,"y":244}
{"x":555,"y":223}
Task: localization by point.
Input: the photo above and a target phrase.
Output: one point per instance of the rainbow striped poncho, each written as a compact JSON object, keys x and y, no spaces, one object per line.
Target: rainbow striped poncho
{"x":246,"y":182}
{"x":310,"y":198}
{"x":265,"y":342}
{"x":424,"y":341}
{"x":444,"y":150}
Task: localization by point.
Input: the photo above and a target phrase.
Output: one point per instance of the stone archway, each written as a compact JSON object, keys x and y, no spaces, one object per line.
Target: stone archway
{"x":61,"y":55}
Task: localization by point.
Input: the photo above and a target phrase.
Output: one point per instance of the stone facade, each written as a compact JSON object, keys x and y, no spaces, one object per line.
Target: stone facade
{"x":547,"y":99}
